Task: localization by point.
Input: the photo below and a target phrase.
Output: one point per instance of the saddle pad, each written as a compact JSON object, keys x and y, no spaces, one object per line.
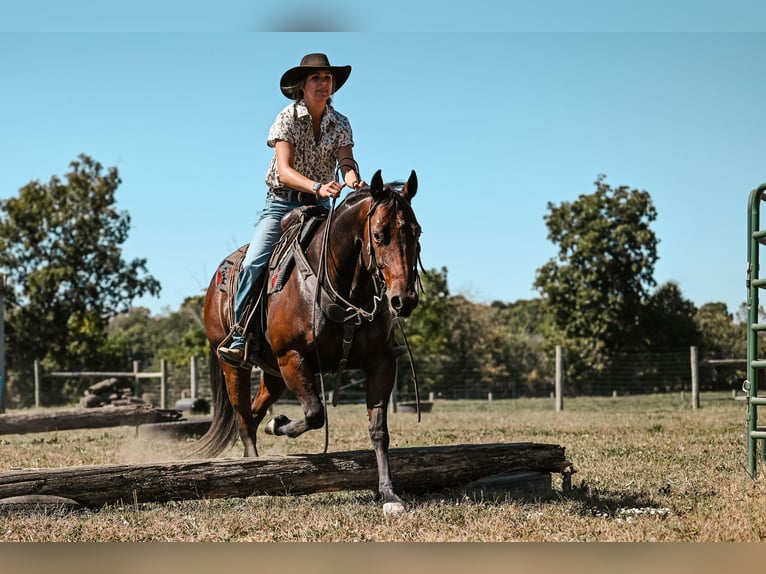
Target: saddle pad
{"x":228,"y":270}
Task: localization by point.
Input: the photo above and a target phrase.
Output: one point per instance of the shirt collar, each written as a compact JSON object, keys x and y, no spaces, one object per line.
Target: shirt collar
{"x":303,"y":111}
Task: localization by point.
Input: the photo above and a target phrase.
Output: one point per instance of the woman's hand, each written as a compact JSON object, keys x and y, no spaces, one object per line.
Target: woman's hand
{"x":330,"y":190}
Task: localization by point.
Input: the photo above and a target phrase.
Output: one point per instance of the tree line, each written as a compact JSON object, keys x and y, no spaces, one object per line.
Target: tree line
{"x":70,"y":293}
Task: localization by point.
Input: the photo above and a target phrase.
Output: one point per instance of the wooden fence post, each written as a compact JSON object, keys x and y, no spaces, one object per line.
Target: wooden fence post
{"x":163,"y":382}
{"x":559,"y":380}
{"x":136,"y":379}
{"x":695,"y":378}
{"x":37,"y":384}
{"x":193,"y":377}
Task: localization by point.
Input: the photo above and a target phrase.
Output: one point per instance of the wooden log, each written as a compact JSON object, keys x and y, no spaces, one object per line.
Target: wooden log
{"x":176,"y":430}
{"x":414,"y":470}
{"x":67,"y":419}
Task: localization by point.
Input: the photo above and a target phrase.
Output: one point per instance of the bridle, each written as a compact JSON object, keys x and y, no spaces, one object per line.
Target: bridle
{"x":355,"y":313}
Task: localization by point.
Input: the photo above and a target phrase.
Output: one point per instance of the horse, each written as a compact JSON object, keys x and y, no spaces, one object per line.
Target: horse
{"x":335,"y":310}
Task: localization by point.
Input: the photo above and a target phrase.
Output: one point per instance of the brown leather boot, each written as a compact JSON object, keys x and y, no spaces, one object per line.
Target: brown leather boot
{"x":232,"y":355}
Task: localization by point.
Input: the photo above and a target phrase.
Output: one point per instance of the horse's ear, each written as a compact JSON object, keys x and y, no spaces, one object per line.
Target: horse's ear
{"x":411,"y":187}
{"x":376,"y":186}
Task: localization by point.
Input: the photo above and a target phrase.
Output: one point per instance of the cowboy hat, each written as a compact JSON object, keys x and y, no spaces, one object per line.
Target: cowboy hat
{"x":311,"y":63}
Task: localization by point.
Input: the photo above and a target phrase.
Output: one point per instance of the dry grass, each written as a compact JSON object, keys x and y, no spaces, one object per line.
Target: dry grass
{"x":648,"y":469}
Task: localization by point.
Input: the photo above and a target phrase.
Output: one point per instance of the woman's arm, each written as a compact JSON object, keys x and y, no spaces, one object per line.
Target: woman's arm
{"x":348,"y":168}
{"x":293,"y":179}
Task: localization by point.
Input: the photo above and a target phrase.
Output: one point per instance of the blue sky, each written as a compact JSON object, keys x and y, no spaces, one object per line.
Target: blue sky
{"x":500,"y":107}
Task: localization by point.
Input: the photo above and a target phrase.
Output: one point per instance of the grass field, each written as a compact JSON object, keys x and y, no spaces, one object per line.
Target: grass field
{"x":648,"y":469}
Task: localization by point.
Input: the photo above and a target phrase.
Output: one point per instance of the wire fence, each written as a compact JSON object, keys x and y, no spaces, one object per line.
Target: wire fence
{"x":631,"y":374}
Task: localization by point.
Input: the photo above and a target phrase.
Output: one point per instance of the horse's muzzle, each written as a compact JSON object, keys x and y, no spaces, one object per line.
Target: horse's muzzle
{"x":402,"y":306}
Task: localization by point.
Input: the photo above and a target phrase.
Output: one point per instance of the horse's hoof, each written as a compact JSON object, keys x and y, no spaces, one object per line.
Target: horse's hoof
{"x":393,"y":508}
{"x":275,"y":423}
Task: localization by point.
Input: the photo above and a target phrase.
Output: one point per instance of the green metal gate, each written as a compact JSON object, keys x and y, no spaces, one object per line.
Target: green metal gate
{"x":755,"y":362}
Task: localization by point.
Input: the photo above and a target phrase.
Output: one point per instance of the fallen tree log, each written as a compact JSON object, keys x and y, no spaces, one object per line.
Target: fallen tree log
{"x":415,"y":470}
{"x":67,"y":419}
{"x":181,"y":429}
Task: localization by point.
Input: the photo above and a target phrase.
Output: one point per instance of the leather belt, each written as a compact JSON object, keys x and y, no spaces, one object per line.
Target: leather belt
{"x":295,"y":196}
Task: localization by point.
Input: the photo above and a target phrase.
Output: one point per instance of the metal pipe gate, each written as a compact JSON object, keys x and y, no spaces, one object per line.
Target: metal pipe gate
{"x":755,"y":364}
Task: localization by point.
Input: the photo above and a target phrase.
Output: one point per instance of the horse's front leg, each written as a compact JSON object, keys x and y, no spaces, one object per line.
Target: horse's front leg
{"x":378,"y":393}
{"x":392,"y":504}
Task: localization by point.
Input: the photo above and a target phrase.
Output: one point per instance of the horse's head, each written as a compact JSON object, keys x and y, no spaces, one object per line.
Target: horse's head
{"x":393,"y":242}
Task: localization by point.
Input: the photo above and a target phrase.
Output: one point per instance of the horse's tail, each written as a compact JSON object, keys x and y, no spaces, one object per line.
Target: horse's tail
{"x":224,"y":426}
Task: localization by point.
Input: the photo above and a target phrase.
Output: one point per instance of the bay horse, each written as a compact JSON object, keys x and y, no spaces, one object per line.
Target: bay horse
{"x":335,"y":310}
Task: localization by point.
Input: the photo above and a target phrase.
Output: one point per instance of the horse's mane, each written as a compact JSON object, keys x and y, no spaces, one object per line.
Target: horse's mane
{"x":392,"y":187}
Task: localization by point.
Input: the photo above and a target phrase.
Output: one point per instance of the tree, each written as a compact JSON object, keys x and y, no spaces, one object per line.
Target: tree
{"x":596,"y":286}
{"x":520,"y":346}
{"x":667,"y":320}
{"x":175,"y":337}
{"x":426,"y":330}
{"x":427,"y":333}
{"x":722,"y":338}
{"x":60,"y":244}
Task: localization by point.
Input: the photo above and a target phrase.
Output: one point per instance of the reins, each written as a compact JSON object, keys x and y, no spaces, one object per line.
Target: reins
{"x":321,"y":271}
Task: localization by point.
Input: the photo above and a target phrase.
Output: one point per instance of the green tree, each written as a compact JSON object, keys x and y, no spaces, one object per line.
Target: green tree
{"x":521,"y":346}
{"x":427,"y":333}
{"x":425,"y":329}
{"x":181,"y":335}
{"x":667,"y":320}
{"x":61,"y":246}
{"x":471,"y":340}
{"x":595,"y":288}
{"x":175,"y":337}
{"x":130,"y":337}
{"x":721,"y":338}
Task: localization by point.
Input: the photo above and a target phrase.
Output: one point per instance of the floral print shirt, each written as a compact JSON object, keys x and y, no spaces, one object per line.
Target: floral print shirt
{"x":314,"y":159}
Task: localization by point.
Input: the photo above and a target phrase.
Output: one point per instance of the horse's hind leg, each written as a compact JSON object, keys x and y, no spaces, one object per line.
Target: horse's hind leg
{"x":299,"y":379}
{"x":238,"y":388}
{"x":270,"y":389}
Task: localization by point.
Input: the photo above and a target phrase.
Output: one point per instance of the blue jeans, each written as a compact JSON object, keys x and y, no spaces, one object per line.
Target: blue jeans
{"x":268,"y":230}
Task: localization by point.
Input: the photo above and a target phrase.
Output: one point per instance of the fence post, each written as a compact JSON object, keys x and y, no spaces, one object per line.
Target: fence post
{"x":137,"y":380}
{"x":37,"y":384}
{"x":193,"y":377}
{"x":695,"y":378}
{"x":559,"y":380}
{"x":163,"y":382}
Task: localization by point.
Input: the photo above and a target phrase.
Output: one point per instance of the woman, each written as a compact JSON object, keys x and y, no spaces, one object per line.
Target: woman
{"x":309,"y":139}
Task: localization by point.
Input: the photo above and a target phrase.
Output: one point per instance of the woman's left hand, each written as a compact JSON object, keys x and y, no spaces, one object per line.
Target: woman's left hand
{"x":330,"y":190}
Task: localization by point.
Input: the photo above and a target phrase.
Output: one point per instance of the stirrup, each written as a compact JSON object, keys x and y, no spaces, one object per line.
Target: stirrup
{"x":226,"y":353}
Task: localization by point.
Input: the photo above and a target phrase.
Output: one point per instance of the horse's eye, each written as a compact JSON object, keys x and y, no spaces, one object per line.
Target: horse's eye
{"x":377,"y":236}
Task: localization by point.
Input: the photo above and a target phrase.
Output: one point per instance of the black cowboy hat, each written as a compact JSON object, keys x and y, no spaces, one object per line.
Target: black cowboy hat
{"x":311,"y":63}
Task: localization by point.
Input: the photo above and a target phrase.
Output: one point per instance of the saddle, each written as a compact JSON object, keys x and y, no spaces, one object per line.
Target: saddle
{"x":298,"y":226}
